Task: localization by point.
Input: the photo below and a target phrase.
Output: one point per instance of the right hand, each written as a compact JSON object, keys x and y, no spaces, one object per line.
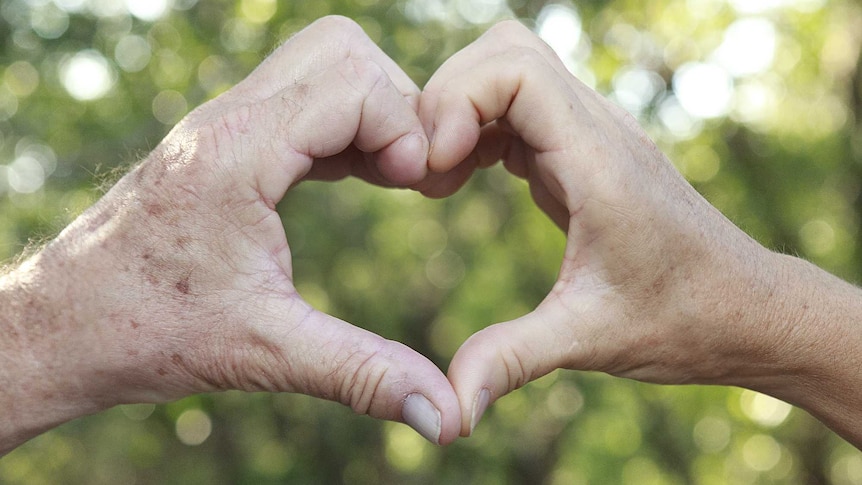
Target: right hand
{"x":187,"y":270}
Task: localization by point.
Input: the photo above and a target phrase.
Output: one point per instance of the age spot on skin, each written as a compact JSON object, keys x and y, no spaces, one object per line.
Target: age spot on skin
{"x":134,"y":324}
{"x":99,"y":220}
{"x":177,"y":359}
{"x":183,"y":286}
{"x":154,"y":209}
{"x":161,"y":372}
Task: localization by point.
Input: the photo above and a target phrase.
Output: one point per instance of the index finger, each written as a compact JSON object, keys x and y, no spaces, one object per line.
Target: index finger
{"x":332,"y":39}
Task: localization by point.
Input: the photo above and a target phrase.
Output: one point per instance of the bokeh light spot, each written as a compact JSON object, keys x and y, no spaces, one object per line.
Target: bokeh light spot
{"x":847,"y":469}
{"x":132,"y":53}
{"x":193,"y":427}
{"x":138,"y":412}
{"x":635,"y":88}
{"x":258,"y":11}
{"x":764,"y":410}
{"x":761,"y":452}
{"x":25,"y":175}
{"x":87,"y":75}
{"x":748,"y":47}
{"x":705,"y":90}
{"x":427,"y":238}
{"x":678,"y":122}
{"x":480,"y":11}
{"x":641,"y":471}
{"x":700,"y":163}
{"x":148,"y":10}
{"x":817,"y":237}
{"x":49,"y":22}
{"x":169,"y":107}
{"x":712,"y":434}
{"x":560,"y":26}
{"x":445,"y":270}
{"x":21,"y":78}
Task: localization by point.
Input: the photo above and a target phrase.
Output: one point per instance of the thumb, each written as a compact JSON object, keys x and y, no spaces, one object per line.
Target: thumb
{"x":506,"y":356}
{"x":331,"y":359}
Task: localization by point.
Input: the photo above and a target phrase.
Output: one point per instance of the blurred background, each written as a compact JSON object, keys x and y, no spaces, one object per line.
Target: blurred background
{"x":757,"y":102}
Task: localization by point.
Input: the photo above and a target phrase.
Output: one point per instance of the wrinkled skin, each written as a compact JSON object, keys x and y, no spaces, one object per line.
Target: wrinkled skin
{"x":179,"y":280}
{"x":190,"y":258}
{"x":655,"y":283}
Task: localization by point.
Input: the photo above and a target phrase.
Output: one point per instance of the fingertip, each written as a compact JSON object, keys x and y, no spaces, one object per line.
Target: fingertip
{"x":436,"y":418}
{"x":452,"y":140}
{"x":421,"y":415}
{"x":502,"y":358}
{"x":480,"y":405}
{"x":404,"y":162}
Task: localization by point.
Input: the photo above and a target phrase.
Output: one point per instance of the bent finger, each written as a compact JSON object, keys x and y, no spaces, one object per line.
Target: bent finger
{"x":351,"y":103}
{"x":327,"y":41}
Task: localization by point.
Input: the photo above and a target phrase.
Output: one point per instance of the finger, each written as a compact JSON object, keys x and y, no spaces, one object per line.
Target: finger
{"x":350,"y":162}
{"x":329,"y":40}
{"x":493,"y":145}
{"x":505,"y":356}
{"x":353,"y":102}
{"x":527,"y":90}
{"x":493,"y":90}
{"x":440,"y":185}
{"x":316,"y":354}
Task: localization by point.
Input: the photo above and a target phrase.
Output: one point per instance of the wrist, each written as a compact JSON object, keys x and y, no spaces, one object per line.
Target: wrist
{"x":43,"y":380}
{"x":803,"y":342}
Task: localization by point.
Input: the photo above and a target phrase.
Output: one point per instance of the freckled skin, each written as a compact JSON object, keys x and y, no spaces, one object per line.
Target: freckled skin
{"x":183,"y":286}
{"x":181,"y":274}
{"x":655,"y":284}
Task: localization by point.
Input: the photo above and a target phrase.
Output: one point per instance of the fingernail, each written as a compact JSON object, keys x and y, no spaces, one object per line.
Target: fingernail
{"x":421,"y":415}
{"x":479,"y":407}
{"x":422,"y":144}
{"x":431,"y":138}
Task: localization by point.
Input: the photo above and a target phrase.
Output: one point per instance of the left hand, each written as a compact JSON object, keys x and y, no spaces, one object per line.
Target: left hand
{"x":655,"y":283}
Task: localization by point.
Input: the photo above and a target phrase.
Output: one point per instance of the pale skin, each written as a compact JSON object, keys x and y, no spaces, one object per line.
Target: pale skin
{"x":656,"y":284}
{"x":179,"y":280}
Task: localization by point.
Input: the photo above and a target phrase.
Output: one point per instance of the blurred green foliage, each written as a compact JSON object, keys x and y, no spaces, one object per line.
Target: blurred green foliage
{"x":757,"y":102}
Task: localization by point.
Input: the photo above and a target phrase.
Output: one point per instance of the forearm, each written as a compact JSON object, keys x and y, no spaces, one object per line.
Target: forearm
{"x":39,"y":387}
{"x":809,"y":322}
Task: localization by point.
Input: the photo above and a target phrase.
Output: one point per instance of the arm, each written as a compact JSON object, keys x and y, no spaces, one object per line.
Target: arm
{"x":655,"y":284}
{"x":178,"y":281}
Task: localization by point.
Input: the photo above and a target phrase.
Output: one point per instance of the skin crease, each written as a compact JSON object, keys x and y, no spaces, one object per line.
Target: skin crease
{"x":178,"y":281}
{"x":655,"y":284}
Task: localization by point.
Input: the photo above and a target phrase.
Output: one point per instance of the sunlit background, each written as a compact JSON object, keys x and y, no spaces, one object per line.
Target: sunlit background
{"x":757,"y":102}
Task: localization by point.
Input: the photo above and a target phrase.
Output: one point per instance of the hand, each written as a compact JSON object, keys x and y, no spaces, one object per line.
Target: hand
{"x":178,"y":281}
{"x":655,"y":283}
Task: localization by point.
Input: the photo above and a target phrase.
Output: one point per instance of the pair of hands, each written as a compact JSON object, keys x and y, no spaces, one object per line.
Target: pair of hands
{"x":179,"y":281}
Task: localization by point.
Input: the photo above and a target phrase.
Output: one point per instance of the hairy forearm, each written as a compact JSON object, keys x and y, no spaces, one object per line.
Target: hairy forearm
{"x":814,"y":358}
{"x":39,"y":387}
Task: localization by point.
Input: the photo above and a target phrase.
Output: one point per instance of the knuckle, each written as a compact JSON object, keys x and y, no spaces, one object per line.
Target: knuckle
{"x":360,"y":383}
{"x":511,"y":30}
{"x":517,"y":373}
{"x":516,"y":36}
{"x":337,"y":25}
{"x":526,"y":56}
{"x":364,"y":75}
